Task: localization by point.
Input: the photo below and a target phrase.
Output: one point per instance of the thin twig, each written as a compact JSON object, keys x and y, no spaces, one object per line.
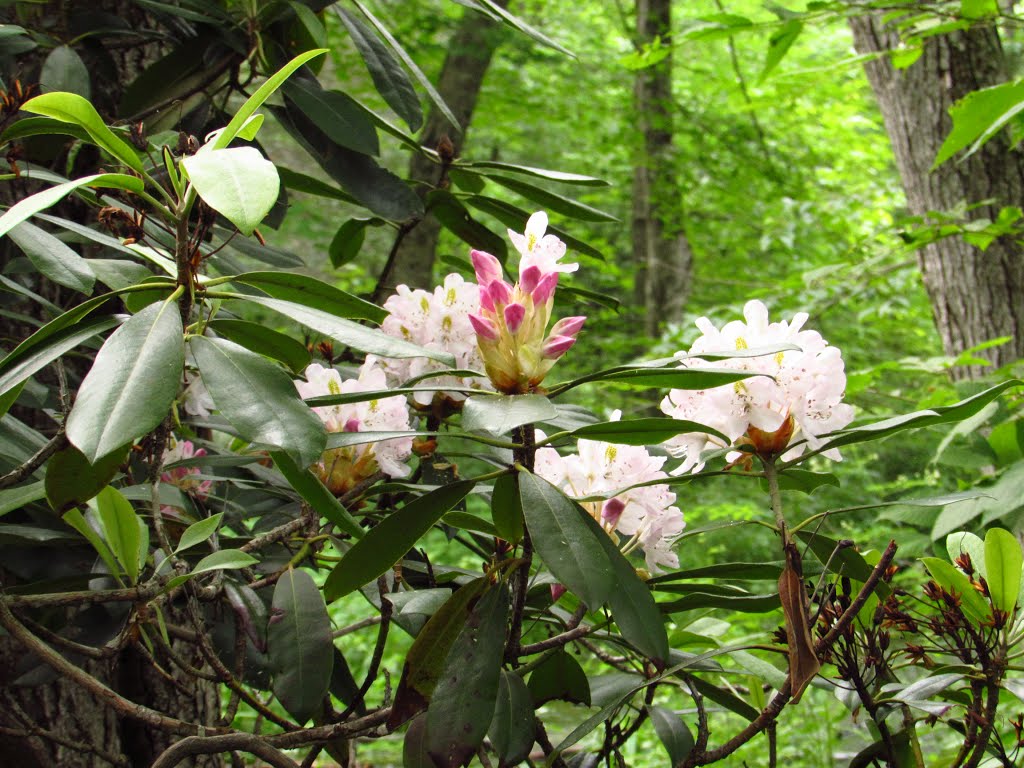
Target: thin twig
{"x":213,"y":745}
{"x":19,"y":473}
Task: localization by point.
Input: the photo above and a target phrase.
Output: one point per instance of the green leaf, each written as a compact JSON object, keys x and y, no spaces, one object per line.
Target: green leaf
{"x":551,"y":201}
{"x":717,"y":596}
{"x":779,"y":44}
{"x":512,"y":728}
{"x":309,"y":487}
{"x":46,"y":345}
{"x":71,"y":480}
{"x":391,"y":81}
{"x":16,"y":498}
{"x":387,"y":542}
{"x":428,"y":655}
{"x":453,"y":215}
{"x":515,"y":22}
{"x":53,"y":258}
{"x":72,"y":108}
{"x":804,"y":480}
{"x":335,"y":113}
{"x":979,"y":116}
{"x":464,"y":700}
{"x":421,"y":78}
{"x":568,"y":546}
{"x":503,"y":413}
{"x":506,"y":509}
{"x":40,"y":201}
{"x":132,"y":383}
{"x":348,"y":240}
{"x":917,"y":419}
{"x":239,"y":183}
{"x":264,"y":341}
{"x":1003,"y":560}
{"x":974,"y":606}
{"x":121,"y":531}
{"x":633,"y":606}
{"x":198,"y":532}
{"x":64,"y":70}
{"x":542,"y":173}
{"x":310,"y":292}
{"x":559,"y":677}
{"x":42,"y":126}
{"x":300,"y":182}
{"x":649,"y":431}
{"x":349,"y":333}
{"x":75,"y":519}
{"x":8,"y":398}
{"x":299,"y":645}
{"x":262,"y":93}
{"x":259,"y":399}
{"x":673,"y":733}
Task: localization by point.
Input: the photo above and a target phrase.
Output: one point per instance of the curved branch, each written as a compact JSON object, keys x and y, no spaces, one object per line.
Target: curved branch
{"x":212,"y":745}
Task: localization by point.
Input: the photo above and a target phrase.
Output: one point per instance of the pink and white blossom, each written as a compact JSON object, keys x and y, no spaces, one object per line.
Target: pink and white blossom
{"x":511,"y":322}
{"x":187,"y":479}
{"x":798,"y":400}
{"x":440,"y":321}
{"x":343,"y":468}
{"x":645,"y":517}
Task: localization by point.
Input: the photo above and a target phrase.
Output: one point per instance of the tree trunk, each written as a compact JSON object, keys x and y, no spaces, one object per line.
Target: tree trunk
{"x":660,"y":247}
{"x":975,"y":296}
{"x":469,"y":55}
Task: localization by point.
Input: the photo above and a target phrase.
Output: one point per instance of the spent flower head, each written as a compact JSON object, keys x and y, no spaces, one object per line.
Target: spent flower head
{"x":511,"y":324}
{"x":343,"y":468}
{"x":646,"y":516}
{"x":796,"y":402}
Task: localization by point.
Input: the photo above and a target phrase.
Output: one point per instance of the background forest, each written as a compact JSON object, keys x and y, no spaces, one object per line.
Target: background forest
{"x":855,"y":161}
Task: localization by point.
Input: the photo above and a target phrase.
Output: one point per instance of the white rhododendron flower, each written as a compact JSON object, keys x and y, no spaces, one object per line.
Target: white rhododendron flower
{"x":511,"y":323}
{"x":343,"y":468}
{"x":439,"y":321}
{"x":195,"y":399}
{"x":800,"y":403}
{"x":646,"y":517}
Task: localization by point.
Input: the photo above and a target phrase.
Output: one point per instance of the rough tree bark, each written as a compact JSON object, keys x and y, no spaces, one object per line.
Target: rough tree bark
{"x":469,"y":55}
{"x":975,"y":296}
{"x":82,"y":731}
{"x":661,"y":250}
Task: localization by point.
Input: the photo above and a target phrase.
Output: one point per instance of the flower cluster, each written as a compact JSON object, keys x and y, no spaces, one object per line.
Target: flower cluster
{"x":645,"y":515}
{"x":800,"y":402}
{"x":343,"y":468}
{"x":188,"y":479}
{"x":512,"y":323}
{"x":437,"y":321}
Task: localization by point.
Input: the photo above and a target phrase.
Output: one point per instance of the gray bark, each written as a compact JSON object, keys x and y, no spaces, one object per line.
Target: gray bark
{"x":661,"y":249}
{"x":975,"y":295}
{"x":469,"y":55}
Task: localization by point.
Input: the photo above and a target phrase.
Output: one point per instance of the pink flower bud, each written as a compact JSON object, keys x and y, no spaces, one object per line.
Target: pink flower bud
{"x":484,"y":328}
{"x":568,"y":326}
{"x":487,"y":267}
{"x":500,"y":292}
{"x":556,"y":346}
{"x":612,"y":511}
{"x":485,"y":300}
{"x":545,"y":288}
{"x":557,"y":590}
{"x":352,"y":425}
{"x":529,"y":278}
{"x":514,"y":314}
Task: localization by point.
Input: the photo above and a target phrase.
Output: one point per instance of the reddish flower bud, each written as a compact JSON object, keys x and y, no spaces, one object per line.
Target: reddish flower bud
{"x":514,"y":314}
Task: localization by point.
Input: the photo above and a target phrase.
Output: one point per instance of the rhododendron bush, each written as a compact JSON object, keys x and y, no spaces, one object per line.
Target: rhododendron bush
{"x":426,"y":474}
